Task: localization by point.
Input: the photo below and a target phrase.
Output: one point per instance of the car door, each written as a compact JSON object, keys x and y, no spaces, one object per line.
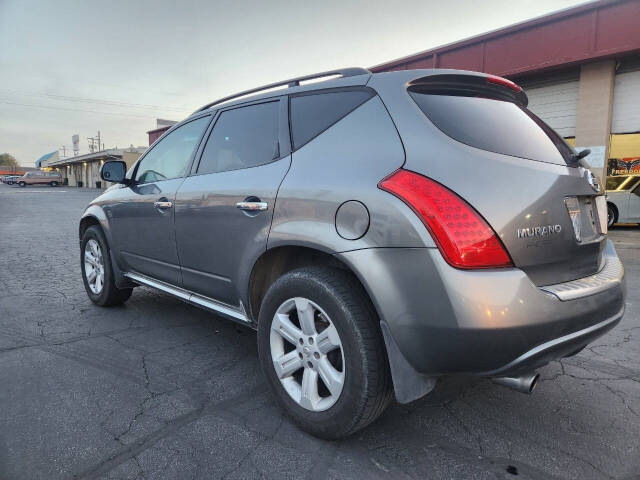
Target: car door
{"x":142,"y":214}
{"x":224,"y":209}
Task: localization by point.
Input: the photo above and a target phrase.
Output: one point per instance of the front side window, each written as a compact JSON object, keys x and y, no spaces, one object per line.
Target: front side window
{"x":613,"y":183}
{"x":170,"y":157}
{"x":625,"y":182}
{"x":242,"y":138}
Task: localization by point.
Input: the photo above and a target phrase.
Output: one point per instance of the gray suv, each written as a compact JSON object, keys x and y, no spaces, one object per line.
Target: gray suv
{"x":377,"y":230}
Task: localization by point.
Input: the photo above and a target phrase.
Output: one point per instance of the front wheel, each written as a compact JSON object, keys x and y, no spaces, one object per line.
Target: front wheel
{"x":22,"y":184}
{"x":322,"y":351}
{"x":612,"y":216}
{"x":97,"y":273}
{"x":54,"y":184}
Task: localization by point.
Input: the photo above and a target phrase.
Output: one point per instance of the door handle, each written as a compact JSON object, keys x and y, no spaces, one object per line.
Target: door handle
{"x":163,"y":205}
{"x":252,"y":206}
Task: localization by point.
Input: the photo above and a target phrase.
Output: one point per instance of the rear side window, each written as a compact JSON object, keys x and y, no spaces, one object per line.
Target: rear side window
{"x":242,"y":138}
{"x":498,"y":126}
{"x":313,"y":113}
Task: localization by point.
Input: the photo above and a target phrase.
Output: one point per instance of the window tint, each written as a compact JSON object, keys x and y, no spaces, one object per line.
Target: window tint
{"x":614,"y":182}
{"x":169,"y":157}
{"x":242,"y":138}
{"x":494,"y":125}
{"x":313,"y":114}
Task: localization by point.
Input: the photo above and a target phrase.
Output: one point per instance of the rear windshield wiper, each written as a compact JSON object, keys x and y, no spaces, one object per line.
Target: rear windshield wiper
{"x":580,"y":155}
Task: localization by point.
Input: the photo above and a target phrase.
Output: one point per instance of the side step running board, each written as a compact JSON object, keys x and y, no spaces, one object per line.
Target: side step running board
{"x":235,"y":313}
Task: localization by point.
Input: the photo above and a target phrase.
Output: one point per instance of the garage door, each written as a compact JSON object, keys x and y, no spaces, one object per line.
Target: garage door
{"x":625,"y":117}
{"x":556,"y":104}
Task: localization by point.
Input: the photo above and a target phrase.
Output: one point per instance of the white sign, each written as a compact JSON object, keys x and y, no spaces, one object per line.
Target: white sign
{"x":76,"y":143}
{"x":596,"y":158}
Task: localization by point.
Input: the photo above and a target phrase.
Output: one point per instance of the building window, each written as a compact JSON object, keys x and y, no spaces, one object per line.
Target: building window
{"x":624,"y":154}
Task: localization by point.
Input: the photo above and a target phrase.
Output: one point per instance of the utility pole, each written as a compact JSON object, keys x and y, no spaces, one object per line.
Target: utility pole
{"x":95,"y":143}
{"x":64,"y":151}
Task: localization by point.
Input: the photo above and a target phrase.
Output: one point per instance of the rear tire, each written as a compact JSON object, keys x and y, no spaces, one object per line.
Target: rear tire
{"x":612,"y":215}
{"x":97,"y":272}
{"x":54,"y":184}
{"x":361,"y":373}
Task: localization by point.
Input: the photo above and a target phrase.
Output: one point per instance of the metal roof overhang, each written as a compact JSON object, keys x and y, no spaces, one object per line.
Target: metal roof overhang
{"x":90,"y":157}
{"x":595,"y":30}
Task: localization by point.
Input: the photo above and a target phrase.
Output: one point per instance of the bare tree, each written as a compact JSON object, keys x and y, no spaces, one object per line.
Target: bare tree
{"x":8,"y":159}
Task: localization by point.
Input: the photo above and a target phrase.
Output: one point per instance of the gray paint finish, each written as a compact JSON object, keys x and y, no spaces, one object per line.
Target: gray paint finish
{"x":344,"y":163}
{"x":441,"y":319}
{"x":145,"y":235}
{"x":352,"y":220}
{"x":216,"y":241}
{"x":447,"y":320}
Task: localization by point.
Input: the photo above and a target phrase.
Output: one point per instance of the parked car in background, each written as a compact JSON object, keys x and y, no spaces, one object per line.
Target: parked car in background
{"x":623,"y":199}
{"x":40,"y":178}
{"x":10,"y":179}
{"x":333,"y":218}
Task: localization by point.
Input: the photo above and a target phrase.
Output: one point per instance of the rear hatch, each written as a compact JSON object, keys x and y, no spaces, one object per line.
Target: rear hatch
{"x":521,"y":176}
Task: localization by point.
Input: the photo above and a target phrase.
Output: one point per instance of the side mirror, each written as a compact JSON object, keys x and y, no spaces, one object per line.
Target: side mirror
{"x":114,"y":171}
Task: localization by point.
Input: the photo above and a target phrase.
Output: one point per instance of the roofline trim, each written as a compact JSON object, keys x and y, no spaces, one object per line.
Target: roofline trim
{"x":515,"y":27}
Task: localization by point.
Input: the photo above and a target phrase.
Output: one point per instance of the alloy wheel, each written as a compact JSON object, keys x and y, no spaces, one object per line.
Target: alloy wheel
{"x":307,"y":354}
{"x":94,"y":266}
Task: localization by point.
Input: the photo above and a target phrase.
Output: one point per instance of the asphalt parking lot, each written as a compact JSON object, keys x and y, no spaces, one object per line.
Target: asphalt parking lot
{"x":161,"y":389}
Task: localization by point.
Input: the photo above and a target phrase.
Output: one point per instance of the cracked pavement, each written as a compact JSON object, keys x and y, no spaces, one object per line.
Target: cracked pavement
{"x":158,"y":389}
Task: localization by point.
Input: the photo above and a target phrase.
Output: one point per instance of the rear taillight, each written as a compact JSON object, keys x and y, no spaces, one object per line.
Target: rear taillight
{"x":503,"y":82}
{"x":462,"y":235}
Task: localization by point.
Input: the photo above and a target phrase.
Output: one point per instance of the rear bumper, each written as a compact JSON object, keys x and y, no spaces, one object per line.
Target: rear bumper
{"x":555,"y":348}
{"x":483,"y":322}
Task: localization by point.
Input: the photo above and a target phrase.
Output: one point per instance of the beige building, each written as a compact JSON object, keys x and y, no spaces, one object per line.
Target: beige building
{"x":84,"y":170}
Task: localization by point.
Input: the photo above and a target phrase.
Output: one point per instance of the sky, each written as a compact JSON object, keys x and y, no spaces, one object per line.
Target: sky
{"x":70,"y":67}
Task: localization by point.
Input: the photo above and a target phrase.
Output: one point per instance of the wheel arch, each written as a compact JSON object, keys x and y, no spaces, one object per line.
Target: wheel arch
{"x":94,"y":215}
{"x":86,"y":222}
{"x":278,"y":260}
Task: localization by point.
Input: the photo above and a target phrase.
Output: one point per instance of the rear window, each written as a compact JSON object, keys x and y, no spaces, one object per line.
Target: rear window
{"x":312,"y":114}
{"x":495,"y":125}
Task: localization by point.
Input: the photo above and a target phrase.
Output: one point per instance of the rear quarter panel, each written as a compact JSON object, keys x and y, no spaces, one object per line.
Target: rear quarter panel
{"x":343,"y":163}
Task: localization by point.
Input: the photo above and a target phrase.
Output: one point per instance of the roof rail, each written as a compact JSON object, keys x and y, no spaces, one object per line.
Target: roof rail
{"x":293,"y":82}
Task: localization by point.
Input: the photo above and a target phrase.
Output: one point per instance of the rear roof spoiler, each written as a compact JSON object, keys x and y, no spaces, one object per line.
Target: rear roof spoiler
{"x":292,"y":82}
{"x":461,"y":84}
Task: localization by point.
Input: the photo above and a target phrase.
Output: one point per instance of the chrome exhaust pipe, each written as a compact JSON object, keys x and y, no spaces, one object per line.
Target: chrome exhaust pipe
{"x":523,"y":384}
